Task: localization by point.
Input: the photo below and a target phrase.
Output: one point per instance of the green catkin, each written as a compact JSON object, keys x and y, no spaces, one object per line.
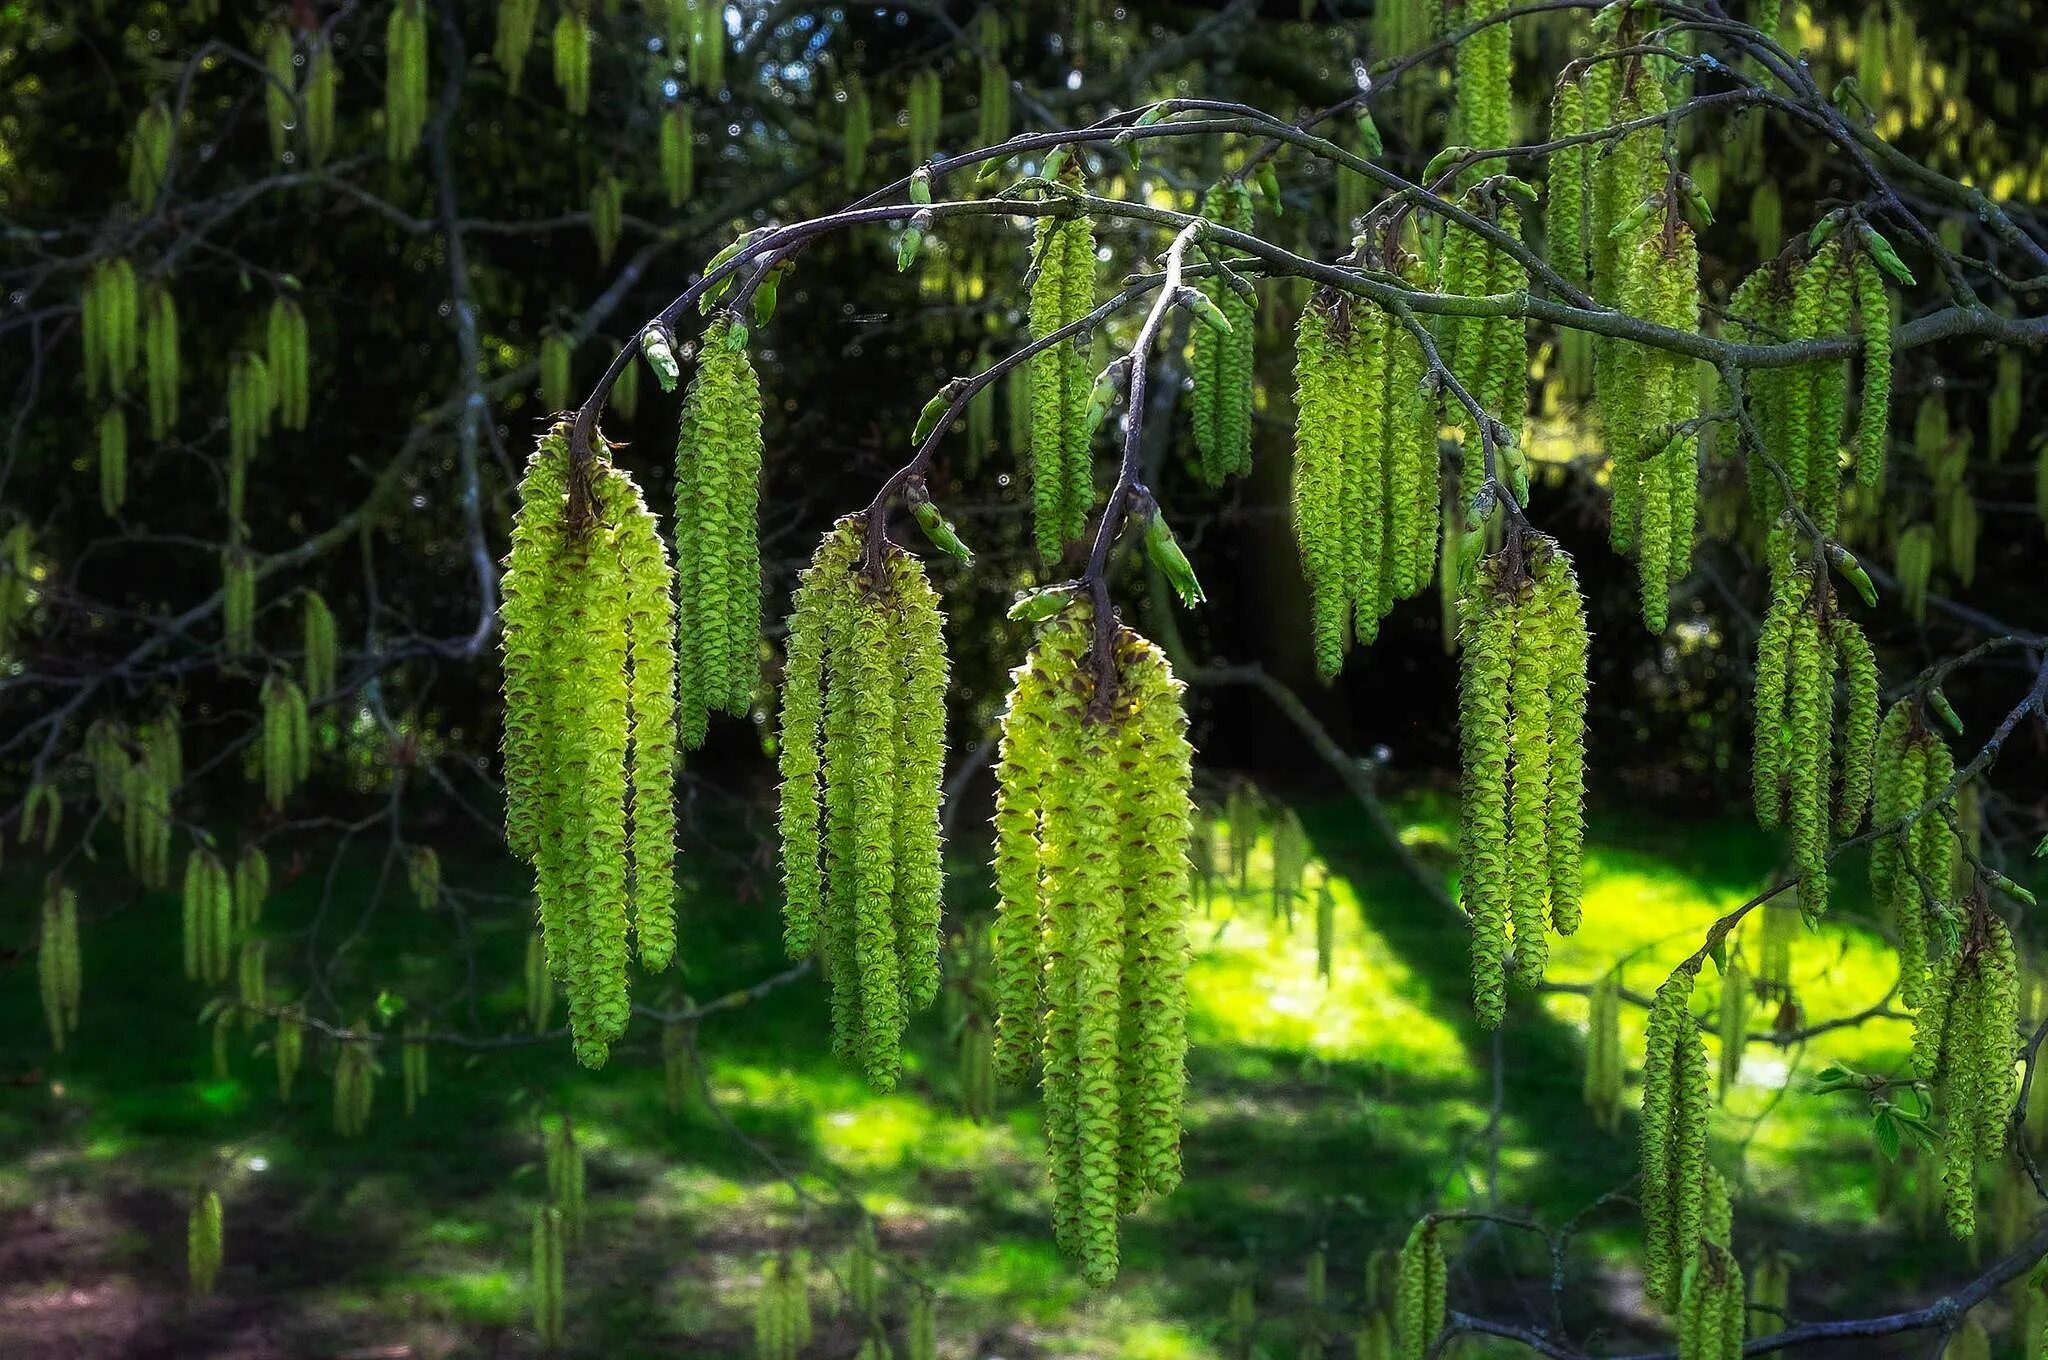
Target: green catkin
{"x":1222,"y":364}
{"x":355,"y":1085}
{"x":1770,"y":749}
{"x":1734,"y":1027}
{"x":1529,"y":797}
{"x":547,"y":1275}
{"x":149,"y":155}
{"x":678,"y":155}
{"x":920,"y":1334}
{"x":208,"y":914}
{"x":1604,"y":1075}
{"x":423,"y":876}
{"x":286,"y":754}
{"x":876,"y":647}
{"x":1482,"y":72}
{"x":572,"y":60}
{"x":1062,"y":458}
{"x":862,"y":1288}
{"x":925,"y":113}
{"x":108,"y":317}
{"x":1485,"y":671}
{"x":856,"y":131}
{"x":251,"y":983}
{"x":58,"y":972}
{"x":1090,"y":950}
{"x":1568,"y":191}
{"x":1375,"y":1339}
{"x":1858,"y":665}
{"x":1966,"y":1040}
{"x":584,"y":632}
{"x":251,"y":886}
{"x":1675,"y":1171}
{"x":288,"y":1048}
{"x":322,"y":83}
{"x":555,"y":358}
{"x":540,"y":984}
{"x":1711,"y":1307}
{"x":113,"y":460}
{"x":1372,"y":511}
{"x":625,"y":393}
{"x":287,"y":363}
{"x":43,"y":807}
{"x":1420,"y":1294}
{"x":718,"y":562}
{"x":607,"y":205}
{"x":993,"y":106}
{"x":514,"y":39}
{"x":252,"y":402}
{"x":205,"y":1247}
{"x":1409,"y":464}
{"x":1561,"y":611}
{"x":405,"y":79}
{"x":707,"y":43}
{"x":1324,"y":523}
{"x":1874,"y":415}
{"x":1810,"y":694}
{"x":160,"y":359}
{"x":279,"y":84}
{"x":566,"y":1176}
{"x":2005,"y":409}
{"x":321,"y":642}
{"x":1770,"y":1293}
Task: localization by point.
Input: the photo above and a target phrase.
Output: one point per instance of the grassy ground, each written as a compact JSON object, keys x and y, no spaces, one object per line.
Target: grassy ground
{"x":1321,"y":1113}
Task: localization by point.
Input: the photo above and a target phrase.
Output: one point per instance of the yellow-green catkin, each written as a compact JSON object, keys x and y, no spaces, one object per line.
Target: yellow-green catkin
{"x":1913,"y":768}
{"x":718,"y":552}
{"x":1420,"y":1296}
{"x":208,"y":915}
{"x":1711,"y":1311}
{"x":547,"y":1272}
{"x":539,"y":983}
{"x":318,"y":96}
{"x":205,"y":1245}
{"x":1874,"y":414}
{"x":1653,"y":443}
{"x":1733,"y":1029}
{"x":1327,"y":507}
{"x":1482,"y":72}
{"x":321,"y":642}
{"x":862,"y":761}
{"x":287,"y":363}
{"x":678,"y":155}
{"x":856,"y":130}
{"x":555,"y":360}
{"x":1675,"y":1171}
{"x":572,"y":60}
{"x":1222,"y":364}
{"x":251,"y":886}
{"x":1568,"y":192}
{"x":149,"y":155}
{"x":113,"y":460}
{"x":1521,"y":724}
{"x":607,"y":208}
{"x":1966,"y":1040}
{"x":1604,"y":1067}
{"x":588,"y":735}
{"x":1062,"y":457}
{"x":355,"y":1084}
{"x":924,"y":111}
{"x":405,"y":78}
{"x":160,"y":356}
{"x":1092,"y":825}
{"x":58,"y":968}
{"x":279,"y":90}
{"x":514,"y":39}
{"x":108,"y":315}
{"x":1770,"y":1293}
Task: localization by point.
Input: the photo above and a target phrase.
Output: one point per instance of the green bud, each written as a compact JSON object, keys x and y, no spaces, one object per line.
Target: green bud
{"x":1165,"y":551}
{"x":1369,"y":135}
{"x":1039,"y":605}
{"x":1887,"y":259}
{"x":2010,"y":888}
{"x":764,"y":295}
{"x":913,"y":240}
{"x":724,"y":286}
{"x":654,"y":347}
{"x":1818,"y":234}
{"x":1443,"y":161}
{"x":1198,"y":302}
{"x":928,"y":418}
{"x":1938,"y":701}
{"x":1268,"y":181}
{"x":1852,"y":570}
{"x":1102,"y":396}
{"x":921,"y":185}
{"x":938,"y":530}
{"x":1154,"y":114}
{"x":1636,"y":217}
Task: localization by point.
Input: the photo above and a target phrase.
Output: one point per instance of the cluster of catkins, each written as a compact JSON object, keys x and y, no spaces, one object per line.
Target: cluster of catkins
{"x":405,"y":78}
{"x":138,"y":791}
{"x":1798,"y":777}
{"x":208,"y":911}
{"x":355,"y":1084}
{"x":718,"y":549}
{"x":1062,"y":460}
{"x":1912,"y":871}
{"x":149,"y":155}
{"x":1092,"y":823}
{"x":1420,"y":1291}
{"x":286,"y":751}
{"x":58,"y":972}
{"x":1713,"y":1316}
{"x":1521,"y":717}
{"x":283,"y":99}
{"x":782,"y":1310}
{"x":1686,"y":1215}
{"x":590,"y":728}
{"x":1966,"y":1040}
{"x":1366,"y":505}
{"x":862,"y":760}
{"x":1801,"y":413}
{"x":1222,"y":360}
{"x":923,"y":110}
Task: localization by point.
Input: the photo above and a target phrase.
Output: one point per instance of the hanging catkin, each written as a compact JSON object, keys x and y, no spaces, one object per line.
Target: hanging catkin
{"x":555,"y":378}
{"x":1062,"y":461}
{"x":58,"y":972}
{"x":286,"y":748}
{"x":589,"y":735}
{"x":279,"y":90}
{"x":318,"y":96}
{"x":321,"y":647}
{"x":1482,"y":71}
{"x":1913,"y":770}
{"x":572,"y":60}
{"x":204,"y":1248}
{"x":208,"y":911}
{"x":1711,"y":1311}
{"x":856,"y":130}
{"x":1420,"y":1292}
{"x":160,"y":359}
{"x":547,"y":1275}
{"x":1222,"y":363}
{"x":287,"y":363}
{"x":1092,"y":824}
{"x":514,"y":39}
{"x":607,"y":205}
{"x":1489,"y":354}
{"x":1966,"y":1041}
{"x":1653,"y":442}
{"x":718,"y":553}
{"x":1604,"y":1070}
{"x":678,"y":155}
{"x":1522,"y":721}
{"x":862,"y":757}
{"x":1675,"y":1171}
{"x":405,"y":79}
{"x":113,"y":460}
{"x":107,"y":330}
{"x":149,"y":155}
